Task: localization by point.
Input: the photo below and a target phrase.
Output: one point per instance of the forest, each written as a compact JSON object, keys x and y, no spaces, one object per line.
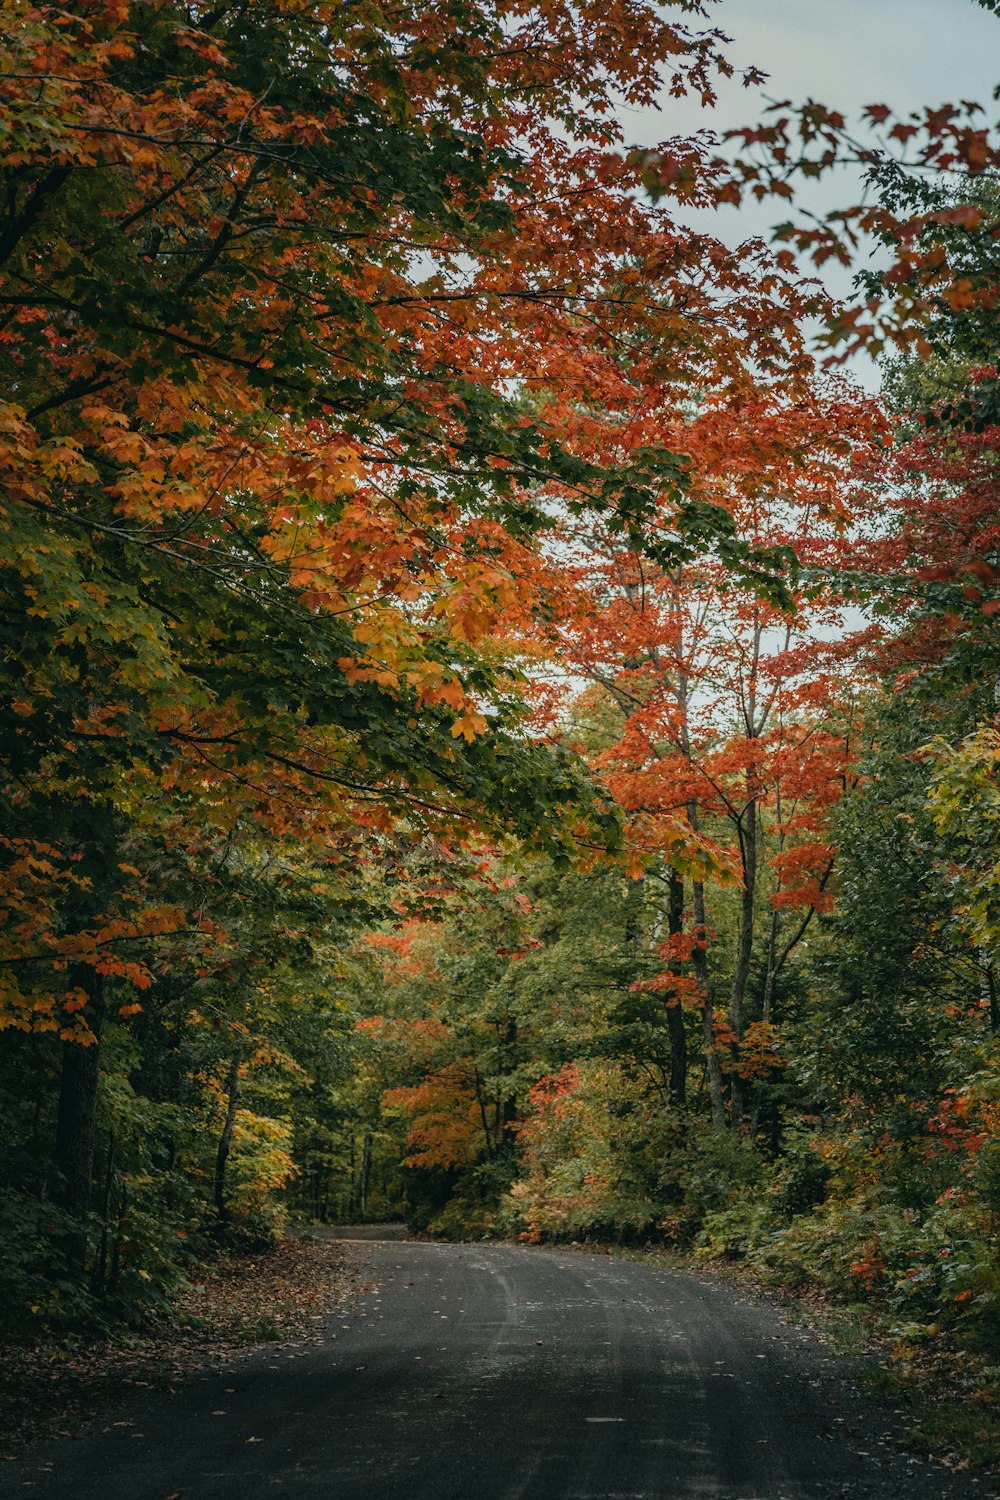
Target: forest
{"x":500,"y":728}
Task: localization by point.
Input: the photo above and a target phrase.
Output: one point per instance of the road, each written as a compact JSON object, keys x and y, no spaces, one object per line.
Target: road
{"x":469,"y":1372}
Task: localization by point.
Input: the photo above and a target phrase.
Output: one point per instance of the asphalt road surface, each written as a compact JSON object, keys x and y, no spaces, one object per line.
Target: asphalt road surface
{"x":471,"y":1372}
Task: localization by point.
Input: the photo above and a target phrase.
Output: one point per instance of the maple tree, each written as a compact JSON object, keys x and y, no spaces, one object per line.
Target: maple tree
{"x":933,"y":211}
{"x":237,"y":416}
{"x":861,"y":1157}
{"x":183,"y":396}
{"x":727,"y":705}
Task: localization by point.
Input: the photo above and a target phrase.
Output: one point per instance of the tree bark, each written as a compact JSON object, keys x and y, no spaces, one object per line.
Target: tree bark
{"x":699,"y":960}
{"x":675,"y":1015}
{"x":508,"y":1112}
{"x":744,"y":947}
{"x":366,"y":1165}
{"x":989,"y":991}
{"x":101,"y":1268}
{"x":76,"y":1121}
{"x":226,"y":1138}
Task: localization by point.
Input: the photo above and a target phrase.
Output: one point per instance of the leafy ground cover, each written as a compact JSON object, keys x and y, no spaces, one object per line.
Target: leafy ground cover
{"x":232,"y":1306}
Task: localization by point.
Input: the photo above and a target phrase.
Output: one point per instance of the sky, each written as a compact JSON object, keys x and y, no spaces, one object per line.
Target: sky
{"x":855,"y":52}
{"x":845,"y":53}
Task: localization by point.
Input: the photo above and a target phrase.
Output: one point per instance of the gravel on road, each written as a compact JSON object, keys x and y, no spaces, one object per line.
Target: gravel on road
{"x":484,"y":1372}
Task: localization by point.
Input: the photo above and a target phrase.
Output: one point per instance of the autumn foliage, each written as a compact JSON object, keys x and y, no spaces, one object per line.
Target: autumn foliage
{"x":496,"y":729}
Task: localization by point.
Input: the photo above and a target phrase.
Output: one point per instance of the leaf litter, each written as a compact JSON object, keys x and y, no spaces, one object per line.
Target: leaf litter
{"x":232,"y":1306}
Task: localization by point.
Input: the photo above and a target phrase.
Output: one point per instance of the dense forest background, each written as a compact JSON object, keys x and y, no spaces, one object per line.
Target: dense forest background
{"x":498,"y":730}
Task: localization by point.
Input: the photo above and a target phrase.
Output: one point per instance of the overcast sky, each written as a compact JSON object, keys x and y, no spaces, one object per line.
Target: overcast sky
{"x":846,"y":53}
{"x":855,"y":52}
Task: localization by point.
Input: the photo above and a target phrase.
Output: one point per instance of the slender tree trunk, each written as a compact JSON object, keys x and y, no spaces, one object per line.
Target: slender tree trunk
{"x":76,"y":1120}
{"x":484,"y":1118}
{"x":699,"y":953}
{"x":774,"y":927}
{"x":226,"y":1138}
{"x":744,"y":946}
{"x":771,"y":973}
{"x":989,"y":992}
{"x":633,"y":911}
{"x":508,"y":1112}
{"x":101,"y":1269}
{"x":767,"y":1004}
{"x":97,"y":830}
{"x":675,"y":1014}
{"x":699,"y":962}
{"x":116,"y":1248}
{"x":366,"y":1164}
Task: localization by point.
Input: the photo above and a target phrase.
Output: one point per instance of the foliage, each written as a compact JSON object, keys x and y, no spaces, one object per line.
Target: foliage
{"x":440,"y":776}
{"x":594,"y":1147}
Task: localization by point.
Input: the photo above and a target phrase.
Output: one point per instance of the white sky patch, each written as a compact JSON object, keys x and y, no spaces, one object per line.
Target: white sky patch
{"x":845,"y":53}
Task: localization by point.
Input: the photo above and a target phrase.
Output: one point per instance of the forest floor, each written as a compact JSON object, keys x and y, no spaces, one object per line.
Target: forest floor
{"x":233,"y":1305}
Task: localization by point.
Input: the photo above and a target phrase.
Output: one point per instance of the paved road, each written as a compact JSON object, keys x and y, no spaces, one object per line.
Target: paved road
{"x":497,"y":1373}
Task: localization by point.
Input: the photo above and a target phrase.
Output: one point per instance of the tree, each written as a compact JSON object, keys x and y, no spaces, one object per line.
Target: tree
{"x":727,"y":705}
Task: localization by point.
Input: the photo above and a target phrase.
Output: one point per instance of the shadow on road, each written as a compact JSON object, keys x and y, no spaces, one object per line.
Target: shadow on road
{"x":494,"y":1372}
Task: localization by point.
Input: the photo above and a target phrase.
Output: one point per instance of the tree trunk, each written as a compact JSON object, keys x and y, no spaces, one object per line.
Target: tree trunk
{"x":366,"y":1165}
{"x":116,"y":1249}
{"x":699,"y":961}
{"x":634,"y":897}
{"x":226,"y":1138}
{"x":675,"y":1014}
{"x":771,"y":974}
{"x":508,"y":1112}
{"x":483,"y":1116}
{"x":767,"y":1006}
{"x":76,"y":1121}
{"x":101,"y":1269}
{"x":989,"y":992}
{"x":744,"y":947}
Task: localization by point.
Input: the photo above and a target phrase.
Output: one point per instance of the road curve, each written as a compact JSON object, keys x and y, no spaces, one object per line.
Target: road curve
{"x":469,"y":1372}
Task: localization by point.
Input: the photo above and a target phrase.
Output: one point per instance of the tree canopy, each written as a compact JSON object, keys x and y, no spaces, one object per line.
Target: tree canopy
{"x":499,"y":727}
